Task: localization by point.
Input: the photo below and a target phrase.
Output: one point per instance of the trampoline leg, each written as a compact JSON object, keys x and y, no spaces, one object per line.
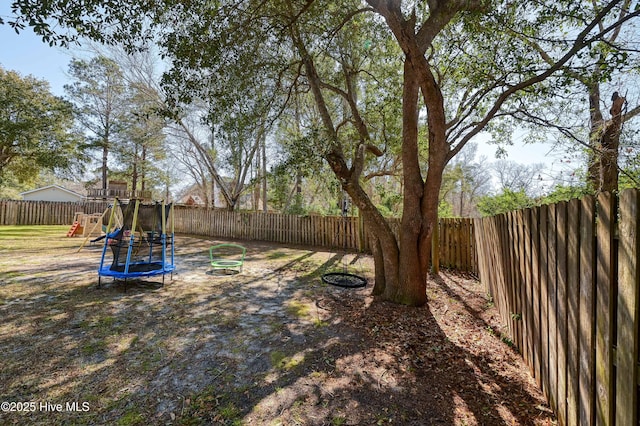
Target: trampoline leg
{"x":99,"y":281}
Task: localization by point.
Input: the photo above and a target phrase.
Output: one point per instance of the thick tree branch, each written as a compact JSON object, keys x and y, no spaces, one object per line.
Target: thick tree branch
{"x":204,"y":154}
{"x":631,"y":114}
{"x":440,"y":15}
{"x":581,"y":41}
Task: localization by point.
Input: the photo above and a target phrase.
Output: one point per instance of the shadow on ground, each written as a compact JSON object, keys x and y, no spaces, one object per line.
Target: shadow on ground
{"x":273,"y":345}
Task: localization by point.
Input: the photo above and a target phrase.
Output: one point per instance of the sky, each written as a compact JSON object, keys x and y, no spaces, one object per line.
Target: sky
{"x":27,"y":54}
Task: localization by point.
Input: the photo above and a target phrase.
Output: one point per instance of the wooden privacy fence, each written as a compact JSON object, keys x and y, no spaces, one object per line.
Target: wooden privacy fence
{"x":457,"y":245}
{"x":317,"y":231}
{"x":565,"y":278}
{"x":44,"y":212}
{"x":456,"y":248}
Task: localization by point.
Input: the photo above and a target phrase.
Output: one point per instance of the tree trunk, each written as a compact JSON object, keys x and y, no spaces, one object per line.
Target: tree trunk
{"x":213,"y":192}
{"x":609,"y":144}
{"x":105,"y":156}
{"x":399,"y":278}
{"x":597,"y":121}
{"x":378,"y":262}
{"x":134,"y":173}
{"x":265,"y":206}
{"x":602,"y":173}
{"x":134,"y":178}
{"x":143,"y":167}
{"x":413,"y":275}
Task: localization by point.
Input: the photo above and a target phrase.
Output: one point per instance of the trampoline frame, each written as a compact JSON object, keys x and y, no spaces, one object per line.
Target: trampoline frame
{"x":129,"y":266}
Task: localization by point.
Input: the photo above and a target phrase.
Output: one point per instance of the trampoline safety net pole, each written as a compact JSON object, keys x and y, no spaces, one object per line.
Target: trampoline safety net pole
{"x":132,"y":236}
{"x":163,"y":236}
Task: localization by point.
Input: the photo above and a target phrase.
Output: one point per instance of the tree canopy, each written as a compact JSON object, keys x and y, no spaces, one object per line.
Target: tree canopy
{"x":35,"y":128}
{"x":98,"y":92}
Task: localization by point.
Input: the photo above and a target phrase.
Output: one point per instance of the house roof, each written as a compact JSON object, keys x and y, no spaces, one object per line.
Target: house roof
{"x":195,"y":198}
{"x":52,"y":187}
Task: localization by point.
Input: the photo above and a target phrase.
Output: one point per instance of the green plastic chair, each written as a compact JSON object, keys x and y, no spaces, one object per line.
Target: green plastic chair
{"x":227,"y":257}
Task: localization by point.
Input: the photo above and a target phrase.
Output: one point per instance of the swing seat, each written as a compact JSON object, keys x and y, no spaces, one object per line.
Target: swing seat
{"x":227,"y":257}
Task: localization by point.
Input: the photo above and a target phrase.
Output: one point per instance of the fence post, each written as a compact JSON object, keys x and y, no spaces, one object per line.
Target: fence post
{"x":435,"y":248}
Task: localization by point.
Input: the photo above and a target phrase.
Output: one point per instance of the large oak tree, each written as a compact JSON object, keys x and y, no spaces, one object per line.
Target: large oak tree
{"x":464,"y":64}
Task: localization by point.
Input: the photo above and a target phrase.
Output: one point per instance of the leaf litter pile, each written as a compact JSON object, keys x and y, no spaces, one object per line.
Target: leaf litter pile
{"x":273,"y":345}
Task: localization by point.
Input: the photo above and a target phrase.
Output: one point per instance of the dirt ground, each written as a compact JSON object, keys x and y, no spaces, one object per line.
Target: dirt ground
{"x":273,"y":345}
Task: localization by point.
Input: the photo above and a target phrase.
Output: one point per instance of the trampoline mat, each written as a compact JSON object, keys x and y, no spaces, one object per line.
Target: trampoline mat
{"x":137,"y":267}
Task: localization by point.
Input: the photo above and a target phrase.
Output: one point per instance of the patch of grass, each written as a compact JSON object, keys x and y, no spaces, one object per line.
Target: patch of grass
{"x":229,"y":411}
{"x":107,"y":321}
{"x":318,"y":374}
{"x":298,"y":309}
{"x":276,"y":326}
{"x":93,"y":347}
{"x":36,"y":238}
{"x":228,"y":321}
{"x":276,"y":255}
{"x":383,"y":420}
{"x":338,"y":420}
{"x":131,"y":417}
{"x":9,"y":275}
{"x":103,"y":326}
{"x":210,"y":407}
{"x":151,"y":363}
{"x":277,"y":358}
{"x":30,"y":231}
{"x":282,"y":362}
{"x":319,"y":323}
{"x":506,"y":340}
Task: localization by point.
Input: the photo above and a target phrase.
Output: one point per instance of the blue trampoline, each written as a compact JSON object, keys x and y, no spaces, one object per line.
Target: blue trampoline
{"x":142,"y":246}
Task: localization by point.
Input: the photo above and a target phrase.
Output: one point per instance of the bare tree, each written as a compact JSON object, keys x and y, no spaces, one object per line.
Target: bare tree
{"x":518,"y":177}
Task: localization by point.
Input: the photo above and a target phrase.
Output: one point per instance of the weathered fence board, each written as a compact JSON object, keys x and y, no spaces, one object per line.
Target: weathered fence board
{"x":544,"y":297}
{"x":587,"y":311}
{"x":552,"y":305}
{"x":561,"y":307}
{"x":536,"y":290}
{"x":605,"y":233}
{"x":628,"y":317}
{"x":527,"y":287}
{"x":573,"y":284}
